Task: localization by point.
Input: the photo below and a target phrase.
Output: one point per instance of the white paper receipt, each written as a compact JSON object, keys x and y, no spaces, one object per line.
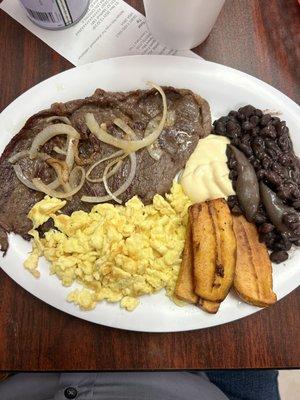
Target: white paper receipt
{"x":110,"y":28}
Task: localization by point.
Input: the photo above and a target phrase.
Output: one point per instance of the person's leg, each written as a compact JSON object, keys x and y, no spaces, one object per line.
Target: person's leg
{"x":247,"y":384}
{"x":30,"y":386}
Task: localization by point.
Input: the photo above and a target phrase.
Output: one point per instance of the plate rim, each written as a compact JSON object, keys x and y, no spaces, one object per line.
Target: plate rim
{"x":293,"y":107}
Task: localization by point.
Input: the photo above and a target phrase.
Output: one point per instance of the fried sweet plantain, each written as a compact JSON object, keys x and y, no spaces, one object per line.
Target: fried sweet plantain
{"x":253,"y":276}
{"x":211,"y":307}
{"x":214,"y":249}
{"x":185,"y":283}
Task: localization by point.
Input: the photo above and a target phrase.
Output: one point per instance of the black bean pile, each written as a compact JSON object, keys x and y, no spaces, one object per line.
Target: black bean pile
{"x":265,"y":141}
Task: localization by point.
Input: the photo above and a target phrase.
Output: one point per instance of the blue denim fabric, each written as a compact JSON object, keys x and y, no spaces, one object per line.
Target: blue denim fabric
{"x":246,"y":384}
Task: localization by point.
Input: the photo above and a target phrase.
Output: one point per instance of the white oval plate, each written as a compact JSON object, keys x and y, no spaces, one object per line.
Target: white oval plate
{"x":225,"y":89}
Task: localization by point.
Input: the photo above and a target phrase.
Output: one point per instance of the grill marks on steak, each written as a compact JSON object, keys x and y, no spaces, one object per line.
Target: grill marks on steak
{"x":137,"y":108}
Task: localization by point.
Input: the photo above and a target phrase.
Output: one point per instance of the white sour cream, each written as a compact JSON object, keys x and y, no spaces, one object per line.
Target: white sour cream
{"x":205,"y":176}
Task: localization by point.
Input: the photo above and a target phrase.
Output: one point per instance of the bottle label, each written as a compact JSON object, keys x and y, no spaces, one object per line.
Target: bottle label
{"x":55,"y":13}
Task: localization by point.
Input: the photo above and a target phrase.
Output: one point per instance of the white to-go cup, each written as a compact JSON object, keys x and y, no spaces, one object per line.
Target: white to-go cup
{"x":181,"y":24}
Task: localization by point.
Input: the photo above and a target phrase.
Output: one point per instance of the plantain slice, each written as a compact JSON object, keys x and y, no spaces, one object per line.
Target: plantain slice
{"x":185,"y":283}
{"x":253,"y":276}
{"x":214,"y":249}
{"x":210,"y":306}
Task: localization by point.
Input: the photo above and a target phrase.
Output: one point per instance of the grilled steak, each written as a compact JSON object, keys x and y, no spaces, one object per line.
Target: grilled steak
{"x":191,"y":121}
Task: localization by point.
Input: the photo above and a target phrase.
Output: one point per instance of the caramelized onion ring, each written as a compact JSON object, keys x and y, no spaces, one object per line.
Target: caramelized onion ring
{"x":60,"y":151}
{"x":128,"y":146}
{"x":125,"y":186}
{"x":54,"y":193}
{"x":65,"y":120}
{"x":89,"y":171}
{"x":48,"y":133}
{"x":27,"y":182}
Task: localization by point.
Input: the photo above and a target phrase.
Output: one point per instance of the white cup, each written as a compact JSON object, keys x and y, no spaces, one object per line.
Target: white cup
{"x":181,"y":24}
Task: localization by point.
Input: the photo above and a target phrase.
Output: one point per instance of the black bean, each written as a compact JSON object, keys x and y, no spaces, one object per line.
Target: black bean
{"x":232,"y":118}
{"x":294,"y":238}
{"x":261,"y":208}
{"x":283,"y":244}
{"x":233,"y":174}
{"x":254,"y":120}
{"x":273,"y":178}
{"x":266,"y":162}
{"x":275,"y":120}
{"x":289,"y":174}
{"x":223,"y":119}
{"x":289,"y":190}
{"x":265,"y":119}
{"x":284,"y":142}
{"x":246,"y":149}
{"x":283,"y":193}
{"x":260,"y":218}
{"x":286,"y":238}
{"x":268,"y":238}
{"x":269,"y":142}
{"x":232,"y":200}
{"x":259,"y":141}
{"x":276,"y":167}
{"x":233,"y":127}
{"x":241,"y":117}
{"x":285,"y":160}
{"x":278,"y":257}
{"x":292,"y":187}
{"x":296,"y":204}
{"x":296,"y":232}
{"x":266,"y":227}
{"x":246,"y":139}
{"x":255,"y":131}
{"x":269,"y":131}
{"x":259,"y":151}
{"x":276,"y":149}
{"x":230,"y":126}
{"x":247,"y":126}
{"x":220,"y":128}
{"x":272,"y":153}
{"x":260,"y":174}
{"x":258,"y":112}
{"x":290,"y":218}
{"x":284,"y":133}
{"x":247,"y":110}
{"x":281,"y":127}
{"x":233,"y":113}
{"x":295,"y":227}
{"x":295,"y":192}
{"x":235,"y":141}
{"x":256,"y":164}
{"x":285,"y":129}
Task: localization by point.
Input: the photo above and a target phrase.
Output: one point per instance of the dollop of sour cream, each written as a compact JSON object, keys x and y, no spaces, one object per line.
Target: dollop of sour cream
{"x":206,"y":174}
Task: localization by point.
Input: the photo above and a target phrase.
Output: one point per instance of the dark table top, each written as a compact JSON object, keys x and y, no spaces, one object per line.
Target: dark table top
{"x":256,"y":36}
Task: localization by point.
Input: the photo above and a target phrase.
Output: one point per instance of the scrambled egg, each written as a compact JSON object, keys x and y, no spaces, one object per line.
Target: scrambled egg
{"x":117,"y":253}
